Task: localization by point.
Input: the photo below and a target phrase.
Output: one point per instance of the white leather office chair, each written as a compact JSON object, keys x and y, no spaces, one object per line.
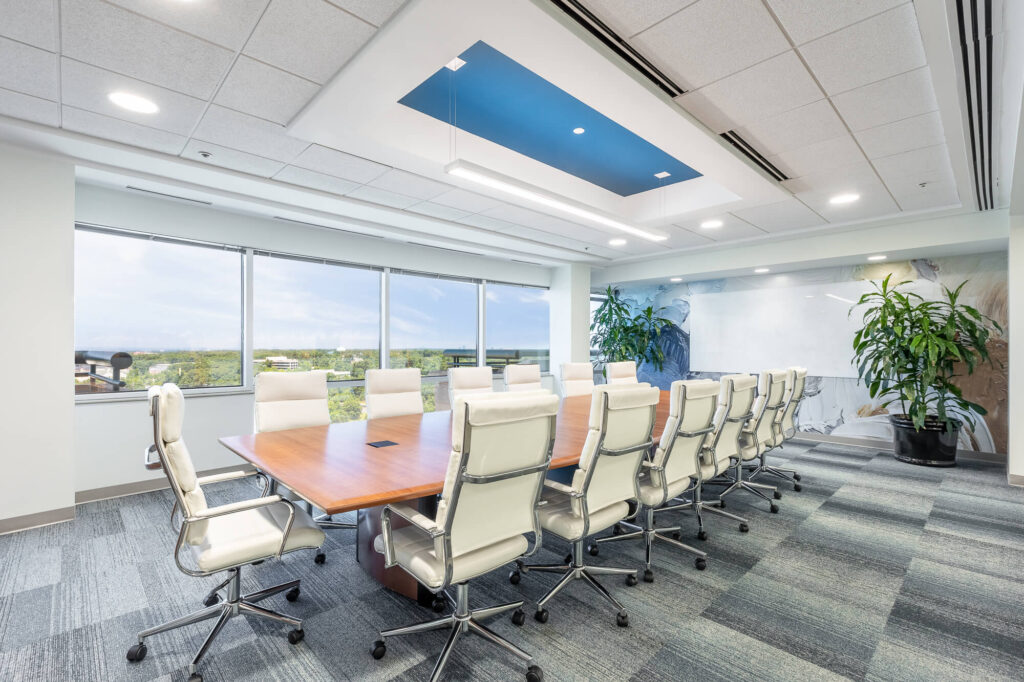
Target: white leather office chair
{"x":621,"y":372}
{"x":501,"y":449}
{"x":222,"y":538}
{"x":468,"y":381}
{"x":295,"y":400}
{"x":522,"y":378}
{"x":785,"y":426}
{"x":671,"y":471}
{"x":577,"y":379}
{"x":621,"y":421}
{"x":393,"y":392}
{"x":762,"y":417}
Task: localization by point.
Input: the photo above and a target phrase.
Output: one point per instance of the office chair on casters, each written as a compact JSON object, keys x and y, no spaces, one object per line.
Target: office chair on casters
{"x":501,"y":449}
{"x":757,"y":419}
{"x":785,"y":425}
{"x":222,"y":538}
{"x":621,"y":372}
{"x":764,"y":432}
{"x":522,"y":378}
{"x":675,"y":463}
{"x":577,"y":379}
{"x":621,"y":422}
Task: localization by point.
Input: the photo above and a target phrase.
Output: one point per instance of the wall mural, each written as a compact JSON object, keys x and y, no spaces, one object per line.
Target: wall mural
{"x":837,"y":405}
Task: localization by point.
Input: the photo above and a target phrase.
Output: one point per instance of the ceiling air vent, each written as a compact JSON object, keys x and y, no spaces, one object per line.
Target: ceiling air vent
{"x":754,"y":155}
{"x":974,"y":20}
{"x":168,"y":196}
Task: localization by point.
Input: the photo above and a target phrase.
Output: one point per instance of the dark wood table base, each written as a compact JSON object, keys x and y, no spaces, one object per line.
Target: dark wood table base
{"x":369,"y":527}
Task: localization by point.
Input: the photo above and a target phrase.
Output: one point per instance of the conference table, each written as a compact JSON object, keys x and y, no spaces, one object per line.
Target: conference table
{"x":336,"y":468}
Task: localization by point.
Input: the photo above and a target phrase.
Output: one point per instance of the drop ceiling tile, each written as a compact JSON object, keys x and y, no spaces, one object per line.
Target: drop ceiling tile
{"x":383,"y":197}
{"x":820,"y":156}
{"x":583,"y":233}
{"x":125,"y":132}
{"x":835,"y":180}
{"x":921,"y":165}
{"x":118,"y":40}
{"x":769,"y":88}
{"x":438,"y":211}
{"x":712,"y":39}
{"x":409,"y":184}
{"x":518,"y":215}
{"x":907,"y":186}
{"x":225,"y":22}
{"x":806,"y":20}
{"x":546,"y":239}
{"x":629,"y":17}
{"x":932,"y":195}
{"x":793,"y":129}
{"x":259,"y":89}
{"x":232,"y":159}
{"x":28,"y":70}
{"x":86,"y":87}
{"x":781,"y":216}
{"x":29,"y":108}
{"x":339,"y":164}
{"x":910,"y":133}
{"x":467,"y":201}
{"x":309,"y":38}
{"x":486,"y":222}
{"x":732,"y":228}
{"x":870,"y":51}
{"x":875,"y":202}
{"x":375,"y":12}
{"x":681,"y":238}
{"x":893,"y":99}
{"x":229,"y":128}
{"x":306,"y":178}
{"x":30,"y":21}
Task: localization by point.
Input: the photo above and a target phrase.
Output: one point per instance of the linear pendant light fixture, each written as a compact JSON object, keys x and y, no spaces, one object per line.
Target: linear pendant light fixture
{"x":488,"y":178}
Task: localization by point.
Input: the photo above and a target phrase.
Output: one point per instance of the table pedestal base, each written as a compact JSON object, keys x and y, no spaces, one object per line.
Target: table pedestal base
{"x":395,"y":579}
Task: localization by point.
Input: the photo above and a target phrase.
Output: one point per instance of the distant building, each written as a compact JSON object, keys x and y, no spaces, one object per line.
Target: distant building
{"x":159,"y":368}
{"x":281,"y":362}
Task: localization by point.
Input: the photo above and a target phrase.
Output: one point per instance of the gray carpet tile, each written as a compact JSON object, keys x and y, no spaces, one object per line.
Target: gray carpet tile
{"x":877,"y":570}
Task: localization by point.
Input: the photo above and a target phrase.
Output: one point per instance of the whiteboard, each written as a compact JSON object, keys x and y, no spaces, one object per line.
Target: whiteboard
{"x":757,"y":329}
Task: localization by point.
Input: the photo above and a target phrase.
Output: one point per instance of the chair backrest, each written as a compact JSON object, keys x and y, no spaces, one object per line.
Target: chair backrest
{"x":522,"y":377}
{"x":501,"y":448}
{"x":621,"y":372}
{"x":393,"y":392}
{"x":291,"y":400}
{"x":577,"y":379}
{"x":796,"y":377}
{"x":167,"y":407}
{"x":621,"y":423}
{"x":469,"y":380}
{"x":691,"y":415}
{"x":735,"y":400}
{"x":767,"y":408}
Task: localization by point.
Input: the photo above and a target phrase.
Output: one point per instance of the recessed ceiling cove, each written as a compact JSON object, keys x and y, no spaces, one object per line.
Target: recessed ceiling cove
{"x":490,"y":95}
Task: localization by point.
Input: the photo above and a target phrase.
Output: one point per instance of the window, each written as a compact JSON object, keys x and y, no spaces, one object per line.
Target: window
{"x":315,"y":315}
{"x":517,"y":326}
{"x":432,"y":322}
{"x":175,"y":308}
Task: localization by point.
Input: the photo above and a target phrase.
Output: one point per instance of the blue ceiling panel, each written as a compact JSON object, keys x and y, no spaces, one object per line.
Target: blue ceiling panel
{"x":498,"y":99}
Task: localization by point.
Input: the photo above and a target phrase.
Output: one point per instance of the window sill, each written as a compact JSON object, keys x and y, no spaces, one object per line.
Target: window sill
{"x":140,"y":396}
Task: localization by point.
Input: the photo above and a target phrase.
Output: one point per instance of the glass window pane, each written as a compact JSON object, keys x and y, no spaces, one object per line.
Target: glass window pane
{"x":433,"y":323}
{"x":315,"y":316}
{"x":347,"y":404}
{"x":517,"y":326}
{"x":176,"y":308}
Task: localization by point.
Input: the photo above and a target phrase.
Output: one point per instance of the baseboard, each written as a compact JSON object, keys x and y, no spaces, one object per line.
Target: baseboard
{"x":125,"y":489}
{"x":1016,"y":479}
{"x":876,"y":444}
{"x":45,"y":518}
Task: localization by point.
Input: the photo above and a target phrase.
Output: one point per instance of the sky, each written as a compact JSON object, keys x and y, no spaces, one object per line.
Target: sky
{"x":135,"y":294}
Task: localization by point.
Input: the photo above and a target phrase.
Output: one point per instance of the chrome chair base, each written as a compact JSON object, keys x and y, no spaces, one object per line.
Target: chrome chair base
{"x":650,"y":533}
{"x":575,"y":570}
{"x":759,"y":489}
{"x":463,"y":621}
{"x":235,"y":604}
{"x":698,"y":506}
{"x":779,"y":472}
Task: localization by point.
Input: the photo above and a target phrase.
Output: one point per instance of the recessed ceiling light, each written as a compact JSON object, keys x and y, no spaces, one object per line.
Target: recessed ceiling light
{"x":455,"y":64}
{"x":676,"y":279}
{"x":761,"y":271}
{"x":616,"y":242}
{"x":878,"y":257}
{"x":844,"y":199}
{"x":662,"y":175}
{"x":139,"y":105}
{"x":711,"y":224}
{"x":578,"y":131}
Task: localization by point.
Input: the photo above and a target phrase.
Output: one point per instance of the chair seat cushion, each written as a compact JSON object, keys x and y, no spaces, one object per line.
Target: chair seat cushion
{"x":650,"y":491}
{"x":251,"y":535}
{"x":557,"y":516}
{"x":414,"y":551}
{"x":748,"y":446}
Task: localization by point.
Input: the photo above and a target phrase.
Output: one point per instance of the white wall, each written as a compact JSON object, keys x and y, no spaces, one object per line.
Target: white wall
{"x":570,"y":316}
{"x":37,"y":335}
{"x":1015,"y":465}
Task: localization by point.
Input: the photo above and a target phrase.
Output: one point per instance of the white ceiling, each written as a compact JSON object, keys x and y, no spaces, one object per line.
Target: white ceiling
{"x":836,"y":94}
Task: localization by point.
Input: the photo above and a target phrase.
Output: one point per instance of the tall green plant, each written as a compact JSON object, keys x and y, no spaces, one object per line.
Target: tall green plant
{"x":620,"y":335}
{"x":910,"y":350}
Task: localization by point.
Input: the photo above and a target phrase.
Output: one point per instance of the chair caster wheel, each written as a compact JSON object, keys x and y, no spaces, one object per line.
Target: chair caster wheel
{"x":648,"y":576}
{"x":379,"y":649}
{"x":631,"y":580}
{"x":195,"y":677}
{"x":700,"y":563}
{"x":541,"y":616}
{"x":721,"y":504}
{"x":292,"y":594}
{"x":438,"y":604}
{"x":296,"y":636}
{"x":255,"y":563}
{"x":137,"y":653}
{"x":514,"y":577}
{"x":777,"y":495}
{"x":534,"y":674}
{"x":796,"y":477}
{"x":617,"y":530}
{"x":676,"y":535}
{"x":595,"y":549}
{"x":622,"y":620}
{"x":797,"y":487}
{"x":702,"y":535}
{"x":518,"y":617}
{"x":211,"y":599}
{"x":320,"y":558}
{"x":744,"y":528}
{"x":774,"y":508}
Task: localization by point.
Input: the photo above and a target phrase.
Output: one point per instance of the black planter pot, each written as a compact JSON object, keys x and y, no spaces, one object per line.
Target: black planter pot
{"x":934,"y":445}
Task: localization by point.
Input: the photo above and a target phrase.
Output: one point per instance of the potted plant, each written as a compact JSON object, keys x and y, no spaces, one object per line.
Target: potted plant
{"x":910,"y":351}
{"x":620,"y":335}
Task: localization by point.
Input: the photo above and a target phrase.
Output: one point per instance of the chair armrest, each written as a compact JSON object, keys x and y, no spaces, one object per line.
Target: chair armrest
{"x":242,"y":506}
{"x":651,"y":466}
{"x":419,"y":521}
{"x":415,"y":517}
{"x":575,"y":498}
{"x":226,"y":476}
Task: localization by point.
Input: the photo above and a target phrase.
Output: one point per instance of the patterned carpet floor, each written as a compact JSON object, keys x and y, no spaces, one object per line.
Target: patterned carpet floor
{"x":877,"y":570}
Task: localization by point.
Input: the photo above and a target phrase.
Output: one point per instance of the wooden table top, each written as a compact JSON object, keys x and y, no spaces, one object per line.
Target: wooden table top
{"x":334,"y":468}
